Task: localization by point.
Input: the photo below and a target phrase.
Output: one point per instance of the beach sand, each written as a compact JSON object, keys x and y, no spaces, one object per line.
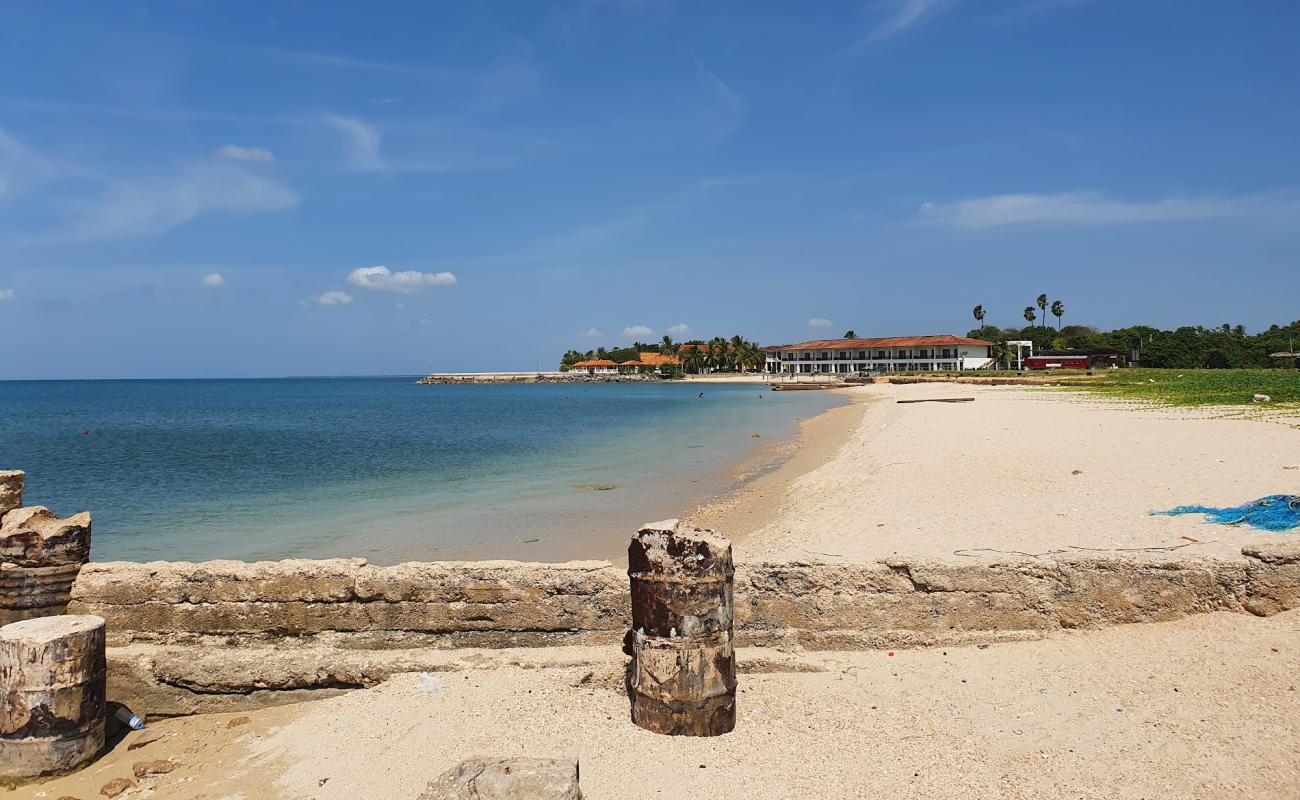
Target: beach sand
{"x":1203,"y":707}
{"x":1018,"y":473}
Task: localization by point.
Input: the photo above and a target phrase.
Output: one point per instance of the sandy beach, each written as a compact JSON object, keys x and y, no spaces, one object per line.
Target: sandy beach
{"x":1015,"y":474}
{"x":1203,"y":707}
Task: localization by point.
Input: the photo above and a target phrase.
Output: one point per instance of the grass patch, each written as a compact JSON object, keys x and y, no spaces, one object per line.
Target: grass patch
{"x":1195,"y":387}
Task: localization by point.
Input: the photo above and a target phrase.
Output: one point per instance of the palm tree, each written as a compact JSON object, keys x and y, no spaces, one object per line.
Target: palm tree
{"x":978,"y":313}
{"x":850,"y":334}
{"x":1042,"y":306}
{"x":693,"y":360}
{"x":1058,"y":310}
{"x":1030,"y":316}
{"x":668,"y":347}
{"x":1000,"y":353}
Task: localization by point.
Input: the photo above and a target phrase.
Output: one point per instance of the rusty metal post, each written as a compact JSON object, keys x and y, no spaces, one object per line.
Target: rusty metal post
{"x":52,"y":682}
{"x":682,"y":679}
{"x":40,"y":554}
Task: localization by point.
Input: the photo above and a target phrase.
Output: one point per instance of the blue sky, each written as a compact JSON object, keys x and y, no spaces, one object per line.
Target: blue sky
{"x":210,"y":188}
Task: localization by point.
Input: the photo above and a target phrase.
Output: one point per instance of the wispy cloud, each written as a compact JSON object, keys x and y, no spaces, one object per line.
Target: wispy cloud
{"x":21,"y":167}
{"x":363,"y":142}
{"x":155,"y":205}
{"x":680,"y":329}
{"x":591,"y":333}
{"x":637,"y":332}
{"x":382,"y":279}
{"x":334,"y":297}
{"x":89,"y":205}
{"x":1084,"y":208}
{"x":819,"y":322}
{"x":896,"y":16}
{"x":234,"y":152}
{"x":213,"y":280}
{"x":723,"y":108}
{"x":7,"y":295}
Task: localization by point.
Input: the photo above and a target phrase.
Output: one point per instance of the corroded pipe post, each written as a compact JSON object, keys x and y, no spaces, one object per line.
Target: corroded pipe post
{"x":40,"y":554}
{"x":52,"y":680}
{"x":682,"y":679}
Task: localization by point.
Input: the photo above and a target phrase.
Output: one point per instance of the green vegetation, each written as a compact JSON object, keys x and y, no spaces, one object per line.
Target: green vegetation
{"x":1196,"y":387}
{"x":1224,"y":347}
{"x":736,"y":354}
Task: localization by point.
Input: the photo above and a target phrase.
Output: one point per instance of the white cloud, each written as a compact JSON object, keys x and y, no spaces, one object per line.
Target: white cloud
{"x":637,"y":332}
{"x":234,"y":152}
{"x":723,"y":109}
{"x":135,"y":208}
{"x":214,"y":281}
{"x":1080,"y":208}
{"x":819,"y":322}
{"x":680,"y":329}
{"x":424,"y":323}
{"x":903,"y":14}
{"x":6,"y":295}
{"x":363,"y":143}
{"x":382,"y":279}
{"x":334,"y":297}
{"x":591,"y":333}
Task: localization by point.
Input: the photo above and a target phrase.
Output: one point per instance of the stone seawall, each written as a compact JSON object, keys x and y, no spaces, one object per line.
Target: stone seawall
{"x":225,"y":635}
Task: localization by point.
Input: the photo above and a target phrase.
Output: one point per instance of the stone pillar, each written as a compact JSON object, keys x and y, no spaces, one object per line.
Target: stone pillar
{"x":682,"y":679}
{"x":11,"y":490}
{"x":52,"y":680}
{"x":40,"y":555}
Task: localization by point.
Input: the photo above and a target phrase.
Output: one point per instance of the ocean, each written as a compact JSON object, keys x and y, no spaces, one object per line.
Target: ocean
{"x":381,"y":468}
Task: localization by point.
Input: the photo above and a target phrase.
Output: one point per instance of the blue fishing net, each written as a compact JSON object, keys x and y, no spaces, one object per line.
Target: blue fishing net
{"x":1277,"y":512}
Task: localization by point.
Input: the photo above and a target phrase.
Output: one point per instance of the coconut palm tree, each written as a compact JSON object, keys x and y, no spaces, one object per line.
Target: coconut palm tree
{"x":978,"y":313}
{"x":1058,"y":310}
{"x":667,"y":346}
{"x":1030,"y":316}
{"x":1042,"y":306}
{"x":693,"y":360}
{"x":850,"y":334}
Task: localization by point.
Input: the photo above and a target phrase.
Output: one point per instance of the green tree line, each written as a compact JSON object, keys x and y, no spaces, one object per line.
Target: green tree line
{"x":1189,"y":347}
{"x":736,"y":354}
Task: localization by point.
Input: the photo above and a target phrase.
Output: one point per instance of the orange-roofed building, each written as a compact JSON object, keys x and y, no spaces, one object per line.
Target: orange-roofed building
{"x":891,"y":354}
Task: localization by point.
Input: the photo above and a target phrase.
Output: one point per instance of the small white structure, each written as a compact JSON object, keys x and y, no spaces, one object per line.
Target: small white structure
{"x":893,"y":354}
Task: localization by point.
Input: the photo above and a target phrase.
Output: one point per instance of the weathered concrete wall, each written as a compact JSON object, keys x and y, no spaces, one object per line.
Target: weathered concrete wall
{"x":226,"y":635}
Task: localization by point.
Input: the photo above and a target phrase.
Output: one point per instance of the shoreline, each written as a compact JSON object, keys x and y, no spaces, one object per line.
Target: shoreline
{"x":761,"y":485}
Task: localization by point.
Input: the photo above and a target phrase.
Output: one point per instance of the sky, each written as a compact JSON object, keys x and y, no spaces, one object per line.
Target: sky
{"x":207,"y":189}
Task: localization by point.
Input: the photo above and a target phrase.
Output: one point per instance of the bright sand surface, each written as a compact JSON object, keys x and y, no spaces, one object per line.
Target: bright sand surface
{"x":1204,"y":707}
{"x":1017,"y":473}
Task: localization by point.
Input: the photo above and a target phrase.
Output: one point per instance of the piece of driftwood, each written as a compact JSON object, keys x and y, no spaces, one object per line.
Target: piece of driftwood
{"x":52,"y":682}
{"x":682,"y":678}
{"x":941,"y":400}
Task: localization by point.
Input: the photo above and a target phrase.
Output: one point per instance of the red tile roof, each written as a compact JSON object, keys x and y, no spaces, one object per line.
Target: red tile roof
{"x":891,"y":341}
{"x":659,"y":359}
{"x":604,"y":362}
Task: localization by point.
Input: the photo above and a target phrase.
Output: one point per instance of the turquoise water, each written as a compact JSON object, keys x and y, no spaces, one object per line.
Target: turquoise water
{"x":379,"y":467}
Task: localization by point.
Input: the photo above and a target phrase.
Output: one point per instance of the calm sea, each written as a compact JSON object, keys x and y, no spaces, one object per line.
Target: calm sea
{"x":379,"y":467}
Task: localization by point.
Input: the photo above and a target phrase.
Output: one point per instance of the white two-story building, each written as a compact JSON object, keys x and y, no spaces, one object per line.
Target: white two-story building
{"x":894,"y":354}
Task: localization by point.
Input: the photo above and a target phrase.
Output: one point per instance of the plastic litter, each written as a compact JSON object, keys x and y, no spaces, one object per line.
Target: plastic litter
{"x":1276,"y":512}
{"x":129,"y":718}
{"x":429,"y":684}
